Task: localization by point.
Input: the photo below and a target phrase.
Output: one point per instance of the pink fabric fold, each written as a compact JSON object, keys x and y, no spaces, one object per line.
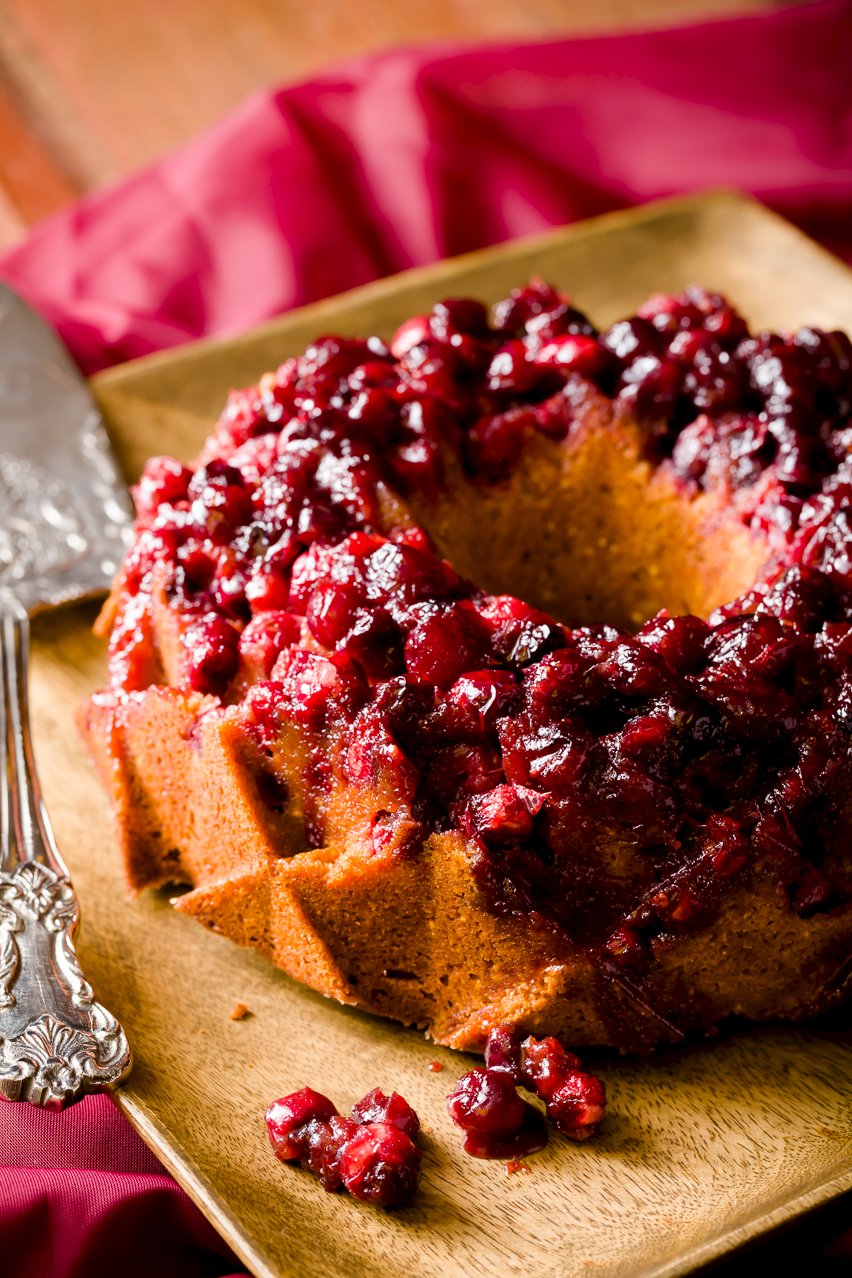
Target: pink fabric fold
{"x":412,"y":155}
{"x":387,"y":162}
{"x":81,"y":1195}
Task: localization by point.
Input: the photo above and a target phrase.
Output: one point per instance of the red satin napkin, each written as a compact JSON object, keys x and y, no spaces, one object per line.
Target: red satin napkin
{"x":380,"y":164}
{"x":413,"y":155}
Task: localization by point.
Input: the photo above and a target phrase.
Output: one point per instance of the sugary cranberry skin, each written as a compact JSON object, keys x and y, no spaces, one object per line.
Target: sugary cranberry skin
{"x":287,"y":1117}
{"x":376,"y":1107}
{"x":380,"y":1165}
{"x":486,"y":1103}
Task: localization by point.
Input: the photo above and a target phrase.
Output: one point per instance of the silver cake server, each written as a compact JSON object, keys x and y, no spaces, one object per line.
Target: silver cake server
{"x":64,"y":524}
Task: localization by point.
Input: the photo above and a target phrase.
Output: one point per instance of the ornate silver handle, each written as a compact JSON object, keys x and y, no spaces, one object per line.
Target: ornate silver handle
{"x":56,"y":1042}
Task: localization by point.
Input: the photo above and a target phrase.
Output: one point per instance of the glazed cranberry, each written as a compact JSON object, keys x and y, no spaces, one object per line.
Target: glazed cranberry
{"x":244,"y":416}
{"x":651,"y":386}
{"x":310,"y":683}
{"x":625,"y":947}
{"x":545,"y":1065}
{"x":575,"y":1101}
{"x":483,"y":696}
{"x":458,"y":315}
{"x":583,"y":355}
{"x":632,"y":339}
{"x":401,"y":575}
{"x":486,"y":1102}
{"x":504,"y":814}
{"x":381,"y":1165}
{"x":495,"y":442}
{"x":268,"y":588}
{"x":728,"y":847}
{"x":210,"y":647}
{"x":265,"y":638}
{"x":520,"y":634}
{"x":458,"y":771}
{"x":812,"y":893}
{"x":163,"y":481}
{"x":578,"y":1106}
{"x":331,"y":610}
{"x":444,"y":643}
{"x":503,"y":1050}
{"x":397,"y":833}
{"x":413,"y":332}
{"x":417,"y":466}
{"x":220,"y":500}
{"x":512,"y":372}
{"x":376,"y":1107}
{"x":680,"y":641}
{"x":287,"y":1118}
{"x":323,"y":1145}
{"x":522,"y":304}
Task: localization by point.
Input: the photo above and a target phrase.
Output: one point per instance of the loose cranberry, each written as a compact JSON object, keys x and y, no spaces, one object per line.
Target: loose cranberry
{"x":323,"y":1147}
{"x":575,"y":1101}
{"x":486,"y":1102}
{"x":381,"y":1165}
{"x":529,"y":1138}
{"x":287,"y":1118}
{"x":371,"y":1154}
{"x":503,"y":1050}
{"x":545,"y":1064}
{"x":376,"y":1107}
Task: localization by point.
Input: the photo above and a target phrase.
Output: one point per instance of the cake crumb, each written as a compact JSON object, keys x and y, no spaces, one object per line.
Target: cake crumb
{"x":514,"y":1166}
{"x":239,"y":1012}
{"x":435,"y":1067}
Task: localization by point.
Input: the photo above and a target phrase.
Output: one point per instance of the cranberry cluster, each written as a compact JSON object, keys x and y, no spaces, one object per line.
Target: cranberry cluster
{"x":696,"y":749}
{"x":498,"y":1122}
{"x":371,"y":1154}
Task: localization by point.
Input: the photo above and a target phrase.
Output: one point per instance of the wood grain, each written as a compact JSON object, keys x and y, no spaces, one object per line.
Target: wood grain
{"x":99,"y":88}
{"x":704,"y":1147}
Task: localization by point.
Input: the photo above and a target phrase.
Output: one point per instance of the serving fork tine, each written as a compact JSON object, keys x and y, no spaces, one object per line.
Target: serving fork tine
{"x":64,"y":521}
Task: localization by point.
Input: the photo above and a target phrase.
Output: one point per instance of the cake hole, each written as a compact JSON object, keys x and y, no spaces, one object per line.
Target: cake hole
{"x":592,"y":535}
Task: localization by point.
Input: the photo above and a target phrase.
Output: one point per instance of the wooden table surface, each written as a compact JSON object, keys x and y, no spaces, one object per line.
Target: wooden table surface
{"x":91,"y":89}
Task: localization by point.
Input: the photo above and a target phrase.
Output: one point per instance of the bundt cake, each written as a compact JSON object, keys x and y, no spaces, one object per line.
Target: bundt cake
{"x":426,"y":679}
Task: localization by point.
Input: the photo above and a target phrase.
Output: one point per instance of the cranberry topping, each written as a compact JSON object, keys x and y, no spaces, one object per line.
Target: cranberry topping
{"x":372,"y":1154}
{"x":697,"y":747}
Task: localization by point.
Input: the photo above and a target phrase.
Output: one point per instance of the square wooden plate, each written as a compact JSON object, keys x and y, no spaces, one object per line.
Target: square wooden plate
{"x":704,"y":1148}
